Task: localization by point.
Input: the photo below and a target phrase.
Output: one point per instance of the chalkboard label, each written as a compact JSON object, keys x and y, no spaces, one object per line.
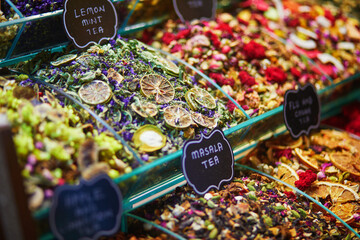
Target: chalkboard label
{"x":208,"y":162}
{"x":188,"y":10}
{"x":302,"y":110}
{"x":86,"y":211}
{"x":89,"y":21}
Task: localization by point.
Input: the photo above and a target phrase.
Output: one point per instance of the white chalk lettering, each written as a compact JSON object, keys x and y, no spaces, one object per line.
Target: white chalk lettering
{"x":88,"y":11}
{"x":294,"y":105}
{"x":211,"y":162}
{"x":195,"y":3}
{"x":302,"y":112}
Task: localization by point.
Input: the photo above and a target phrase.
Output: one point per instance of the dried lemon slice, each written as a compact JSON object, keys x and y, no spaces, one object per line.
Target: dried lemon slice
{"x":95,"y":92}
{"x":169,"y":66}
{"x":177,"y":117}
{"x":145,"y":109}
{"x":63,"y":59}
{"x":346,"y":162}
{"x":287,"y":174}
{"x":203,"y":120}
{"x":158,"y":86}
{"x":190,"y":99}
{"x":284,"y":142}
{"x":149,"y":138}
{"x":338,"y":192}
{"x":201,"y":97}
{"x":308,"y":161}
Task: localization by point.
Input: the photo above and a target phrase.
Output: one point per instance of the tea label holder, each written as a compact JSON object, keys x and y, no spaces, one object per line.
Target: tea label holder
{"x":302,"y":110}
{"x":86,"y":211}
{"x":90,"y":21}
{"x":208,"y":161}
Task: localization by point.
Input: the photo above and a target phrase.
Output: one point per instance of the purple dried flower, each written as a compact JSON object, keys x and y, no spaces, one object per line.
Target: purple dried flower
{"x":324,"y":166}
{"x":100,"y":107}
{"x":128,"y":136}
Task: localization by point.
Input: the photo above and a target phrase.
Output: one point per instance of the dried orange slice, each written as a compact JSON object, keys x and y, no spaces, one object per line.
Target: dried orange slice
{"x":306,"y":159}
{"x":63,"y":59}
{"x":149,"y":138}
{"x":145,"y":109}
{"x":203,"y":120}
{"x":177,"y":117}
{"x":158,"y":86}
{"x":285,"y":142}
{"x":346,"y":162}
{"x":95,"y":92}
{"x":339,"y":193}
{"x":329,"y":138}
{"x":199,"y":96}
{"x":345,"y":210}
{"x":287,"y":174}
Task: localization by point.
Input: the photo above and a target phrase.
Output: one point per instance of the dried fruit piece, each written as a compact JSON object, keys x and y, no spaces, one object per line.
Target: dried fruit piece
{"x":177,"y":117}
{"x":345,"y":211}
{"x":158,"y":86}
{"x":95,"y":92}
{"x":145,"y":109}
{"x":339,"y":193}
{"x":346,"y":162}
{"x":305,"y":158}
{"x":171,"y":68}
{"x":114,"y":75}
{"x":203,"y":120}
{"x":149,"y":138}
{"x":63,"y":59}
{"x":287,"y":174}
{"x":199,"y":96}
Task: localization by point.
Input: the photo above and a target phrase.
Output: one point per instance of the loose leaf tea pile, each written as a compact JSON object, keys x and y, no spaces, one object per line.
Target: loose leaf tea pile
{"x":324,"y":165}
{"x":145,"y":97}
{"x":250,"y":65}
{"x":251,"y":207}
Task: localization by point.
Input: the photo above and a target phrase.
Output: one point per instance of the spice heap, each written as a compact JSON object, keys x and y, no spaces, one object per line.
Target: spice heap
{"x":250,"y":65}
{"x":145,"y":97}
{"x":54,"y":145}
{"x":349,"y":119}
{"x":325,"y":166}
{"x":251,"y":207}
{"x":34,"y":7}
{"x":325,"y":34}
{"x":7,"y":34}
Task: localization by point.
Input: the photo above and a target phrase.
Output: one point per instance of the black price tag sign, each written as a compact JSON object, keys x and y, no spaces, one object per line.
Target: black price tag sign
{"x":89,"y":21}
{"x":86,"y":211}
{"x":188,"y":10}
{"x":302,"y":110}
{"x":208,"y":162}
